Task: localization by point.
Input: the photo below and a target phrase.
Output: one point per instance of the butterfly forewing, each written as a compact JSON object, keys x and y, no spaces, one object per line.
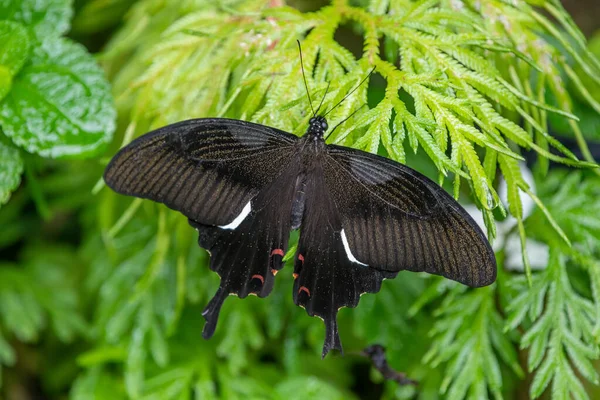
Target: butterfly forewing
{"x":397,"y":219}
{"x":208,"y":169}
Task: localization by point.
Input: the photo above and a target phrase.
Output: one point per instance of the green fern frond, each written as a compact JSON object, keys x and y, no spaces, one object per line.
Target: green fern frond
{"x":39,"y":296}
{"x":468,"y":336}
{"x":561,"y":336}
{"x":561,"y":322}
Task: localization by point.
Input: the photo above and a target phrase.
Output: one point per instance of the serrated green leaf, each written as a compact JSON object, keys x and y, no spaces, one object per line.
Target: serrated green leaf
{"x":540,"y":326}
{"x":21,"y":315}
{"x":11,"y":168}
{"x":60,"y":104}
{"x":537,"y":305}
{"x":120,"y":322}
{"x":171,"y":384}
{"x":370,"y":140}
{"x":461,"y":384}
{"x":158,"y":346}
{"x":574,"y":386}
{"x":485,"y":193}
{"x":45,"y":17}
{"x":506,"y":349}
{"x":518,"y":310}
{"x":491,"y":370}
{"x":512,"y":173}
{"x":580,"y":356}
{"x":537,"y":350}
{"x":490,"y":162}
{"x":542,"y":377}
{"x":102,"y":355}
{"x":136,"y":356}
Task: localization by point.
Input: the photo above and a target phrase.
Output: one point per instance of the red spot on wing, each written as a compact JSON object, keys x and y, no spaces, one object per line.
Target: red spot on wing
{"x":295,"y":275}
{"x":304,"y":289}
{"x":259,"y":277}
{"x":301,"y":258}
{"x":274,"y":271}
{"x":279,"y":252}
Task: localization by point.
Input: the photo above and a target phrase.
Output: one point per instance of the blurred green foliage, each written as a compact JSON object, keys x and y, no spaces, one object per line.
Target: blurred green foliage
{"x":101,"y":295}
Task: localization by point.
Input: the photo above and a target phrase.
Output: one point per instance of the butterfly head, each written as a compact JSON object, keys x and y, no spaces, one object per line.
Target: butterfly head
{"x":317,"y":126}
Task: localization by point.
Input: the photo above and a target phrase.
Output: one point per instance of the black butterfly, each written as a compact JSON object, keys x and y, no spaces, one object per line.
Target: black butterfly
{"x":362,"y":218}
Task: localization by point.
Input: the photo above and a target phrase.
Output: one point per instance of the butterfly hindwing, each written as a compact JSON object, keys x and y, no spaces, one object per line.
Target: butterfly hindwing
{"x":248,"y":257}
{"x":208,"y":169}
{"x":325,"y":279}
{"x":396,"y":219}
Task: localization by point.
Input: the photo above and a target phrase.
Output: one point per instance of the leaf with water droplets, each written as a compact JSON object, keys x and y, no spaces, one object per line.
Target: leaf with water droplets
{"x":60,"y":103}
{"x":45,"y":17}
{"x":11,"y":168}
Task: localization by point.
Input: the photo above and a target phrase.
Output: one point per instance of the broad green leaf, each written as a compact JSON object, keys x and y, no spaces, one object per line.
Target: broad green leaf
{"x":60,"y":104}
{"x":14,"y":51}
{"x":11,"y":168}
{"x":45,"y":17}
{"x":14,"y":46}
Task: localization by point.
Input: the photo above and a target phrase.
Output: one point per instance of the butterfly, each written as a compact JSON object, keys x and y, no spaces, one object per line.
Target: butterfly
{"x":362,"y":217}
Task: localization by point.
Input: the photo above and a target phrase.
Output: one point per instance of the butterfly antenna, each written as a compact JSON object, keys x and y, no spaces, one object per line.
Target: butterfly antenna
{"x":321,"y":103}
{"x":346,"y":119}
{"x":304,"y":77}
{"x":352,"y":91}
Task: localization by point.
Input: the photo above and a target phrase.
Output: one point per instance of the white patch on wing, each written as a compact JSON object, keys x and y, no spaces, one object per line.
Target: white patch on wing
{"x":347,"y":248}
{"x":238,"y":220}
